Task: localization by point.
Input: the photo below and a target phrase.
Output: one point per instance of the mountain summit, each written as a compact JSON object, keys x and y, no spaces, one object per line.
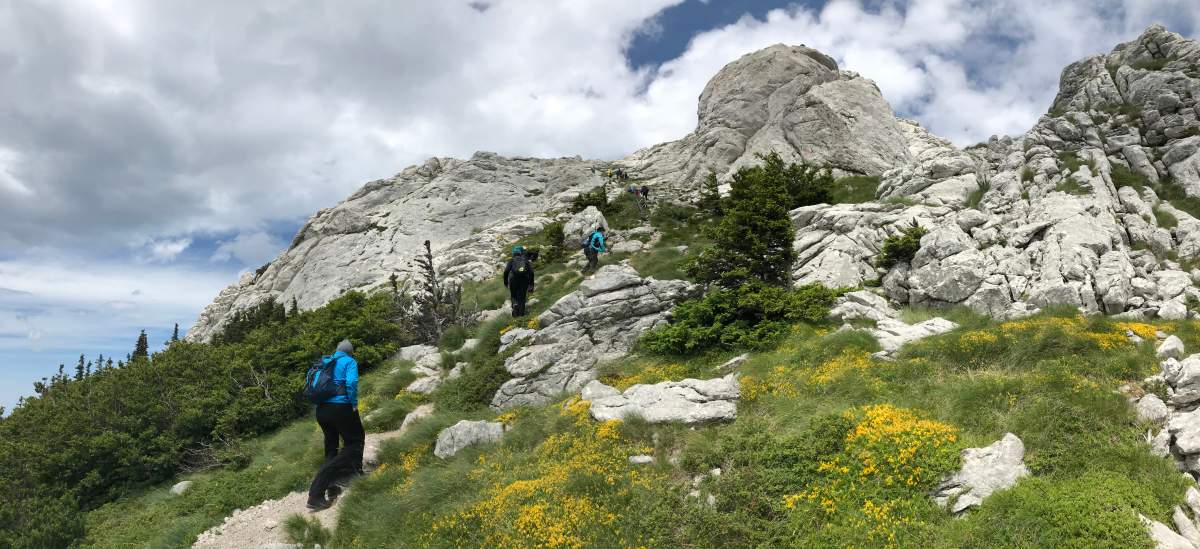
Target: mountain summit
{"x":1092,"y":207}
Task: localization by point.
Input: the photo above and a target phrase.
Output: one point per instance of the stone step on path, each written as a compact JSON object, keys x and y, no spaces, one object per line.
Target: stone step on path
{"x":261,"y":526}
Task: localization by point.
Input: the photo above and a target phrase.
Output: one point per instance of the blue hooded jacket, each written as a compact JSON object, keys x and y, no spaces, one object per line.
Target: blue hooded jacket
{"x":345,"y":372}
{"x":597,"y":242}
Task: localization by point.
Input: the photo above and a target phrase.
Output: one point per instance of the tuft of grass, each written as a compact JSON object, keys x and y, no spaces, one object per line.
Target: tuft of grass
{"x":1070,"y":186}
{"x":1166,"y":220}
{"x":854,"y":189}
{"x":1151,"y":64}
{"x":306,"y":531}
{"x":976,"y":195}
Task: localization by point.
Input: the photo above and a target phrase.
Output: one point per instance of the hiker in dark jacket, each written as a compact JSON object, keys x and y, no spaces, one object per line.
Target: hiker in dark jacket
{"x":518,"y":278}
{"x":338,"y":418}
{"x":593,"y":249}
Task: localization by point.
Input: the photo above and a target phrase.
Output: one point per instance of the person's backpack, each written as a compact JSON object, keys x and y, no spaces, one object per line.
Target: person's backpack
{"x":318,"y":384}
{"x":520,"y":267}
{"x":587,"y":240}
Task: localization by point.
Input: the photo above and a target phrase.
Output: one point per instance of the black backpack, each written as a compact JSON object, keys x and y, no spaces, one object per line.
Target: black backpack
{"x":318,"y":384}
{"x":520,"y":267}
{"x":587,"y":241}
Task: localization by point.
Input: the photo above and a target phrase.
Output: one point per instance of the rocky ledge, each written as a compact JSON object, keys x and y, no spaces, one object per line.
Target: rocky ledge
{"x":599,"y":321}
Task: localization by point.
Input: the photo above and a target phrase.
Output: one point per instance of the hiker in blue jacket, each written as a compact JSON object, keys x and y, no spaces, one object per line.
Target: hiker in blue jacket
{"x":338,"y":418}
{"x":593,"y":249}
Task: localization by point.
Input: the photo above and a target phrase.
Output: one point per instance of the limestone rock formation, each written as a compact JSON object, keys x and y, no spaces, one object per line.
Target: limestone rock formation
{"x":984,"y":471}
{"x":1059,"y":215}
{"x":1067,"y":213}
{"x":792,"y":100}
{"x":377,"y":231}
{"x":599,"y":321}
{"x":687,"y":401}
{"x":465,"y":433}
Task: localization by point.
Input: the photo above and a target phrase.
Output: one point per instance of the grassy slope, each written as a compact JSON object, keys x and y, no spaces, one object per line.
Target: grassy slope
{"x":559,"y":478}
{"x":1049,"y":379}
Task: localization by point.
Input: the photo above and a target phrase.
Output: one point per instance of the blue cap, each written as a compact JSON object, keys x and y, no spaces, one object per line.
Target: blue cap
{"x":517,"y":250}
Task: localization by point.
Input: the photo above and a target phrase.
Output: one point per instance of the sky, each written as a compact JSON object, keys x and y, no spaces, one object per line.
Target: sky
{"x":151,"y":151}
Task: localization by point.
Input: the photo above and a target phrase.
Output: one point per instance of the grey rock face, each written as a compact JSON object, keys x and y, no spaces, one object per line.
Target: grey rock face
{"x":984,"y":471}
{"x":599,"y":321}
{"x":687,"y":401}
{"x":1029,"y":242}
{"x":581,"y":225}
{"x":377,"y":231}
{"x":1172,"y":347}
{"x":466,"y":433}
{"x":788,"y":99}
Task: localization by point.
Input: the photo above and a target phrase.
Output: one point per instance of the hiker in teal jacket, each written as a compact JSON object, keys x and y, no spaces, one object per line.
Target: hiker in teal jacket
{"x":338,"y":418}
{"x":595,"y":246}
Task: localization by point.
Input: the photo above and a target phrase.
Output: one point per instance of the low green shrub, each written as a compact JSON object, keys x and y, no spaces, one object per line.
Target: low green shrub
{"x":1071,"y":186}
{"x":1151,"y":64}
{"x":1096,"y":509}
{"x":596,"y":197}
{"x":750,"y":316}
{"x":1166,"y":220}
{"x":901,"y":248}
{"x":855,"y":189}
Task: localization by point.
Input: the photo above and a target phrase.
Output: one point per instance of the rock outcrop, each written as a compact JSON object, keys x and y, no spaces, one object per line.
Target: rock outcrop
{"x":465,"y":433}
{"x":792,"y":100}
{"x":469,"y":210}
{"x":1064,"y":214}
{"x":984,"y":471}
{"x":686,"y":401}
{"x":599,"y":321}
{"x":1067,"y":213}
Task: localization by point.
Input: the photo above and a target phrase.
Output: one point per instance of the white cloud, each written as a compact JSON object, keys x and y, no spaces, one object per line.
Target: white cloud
{"x":253,"y":248}
{"x":167,"y":249}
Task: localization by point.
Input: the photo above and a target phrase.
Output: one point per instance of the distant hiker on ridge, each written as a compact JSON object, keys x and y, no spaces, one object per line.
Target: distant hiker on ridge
{"x":593,"y":246}
{"x":332,"y":384}
{"x":518,"y":278}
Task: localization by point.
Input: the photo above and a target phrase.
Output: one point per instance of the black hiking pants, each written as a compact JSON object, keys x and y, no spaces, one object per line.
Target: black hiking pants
{"x":338,"y":421}
{"x":518,"y":290}
{"x":593,"y":257}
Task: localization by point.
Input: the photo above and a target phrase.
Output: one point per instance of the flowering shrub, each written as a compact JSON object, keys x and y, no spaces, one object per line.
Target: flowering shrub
{"x":1020,"y":343}
{"x":574,"y":494}
{"x":654,"y":373}
{"x":851,"y":360}
{"x":872,"y":491}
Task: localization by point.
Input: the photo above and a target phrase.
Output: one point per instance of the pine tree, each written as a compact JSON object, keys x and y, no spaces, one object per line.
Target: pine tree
{"x":710,"y":195}
{"x":79,"y":368}
{"x":142,"y":349}
{"x":175,"y":334}
{"x":753,"y":240}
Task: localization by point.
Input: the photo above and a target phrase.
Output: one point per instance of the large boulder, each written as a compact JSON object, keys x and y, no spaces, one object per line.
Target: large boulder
{"x":582,"y":224}
{"x":687,"y":401}
{"x":984,"y":471}
{"x":600,"y":321}
{"x":465,"y":433}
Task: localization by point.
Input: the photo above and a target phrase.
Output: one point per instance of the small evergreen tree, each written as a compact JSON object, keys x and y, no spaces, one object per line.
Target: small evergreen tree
{"x":142,"y":349}
{"x":175,"y":334}
{"x":753,"y":240}
{"x":710,"y":195}
{"x":79,"y":367}
{"x":806,"y":185}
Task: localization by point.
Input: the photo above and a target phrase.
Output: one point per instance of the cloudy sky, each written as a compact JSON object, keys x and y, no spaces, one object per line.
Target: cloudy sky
{"x":152,"y":150}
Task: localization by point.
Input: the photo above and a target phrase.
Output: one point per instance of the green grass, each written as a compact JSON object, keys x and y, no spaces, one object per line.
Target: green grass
{"x":1071,"y":162}
{"x":976,"y":195}
{"x":279,"y":463}
{"x":1049,"y":379}
{"x":1071,"y":186}
{"x":854,"y":189}
{"x":306,"y":531}
{"x":1151,"y":64}
{"x":1166,"y":220}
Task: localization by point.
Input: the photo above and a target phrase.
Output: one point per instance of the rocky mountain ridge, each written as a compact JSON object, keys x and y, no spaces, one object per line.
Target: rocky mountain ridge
{"x":1066,"y":213}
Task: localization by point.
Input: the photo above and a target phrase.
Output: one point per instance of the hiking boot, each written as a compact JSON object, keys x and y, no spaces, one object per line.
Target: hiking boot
{"x":332,"y":493}
{"x":315,"y":505}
